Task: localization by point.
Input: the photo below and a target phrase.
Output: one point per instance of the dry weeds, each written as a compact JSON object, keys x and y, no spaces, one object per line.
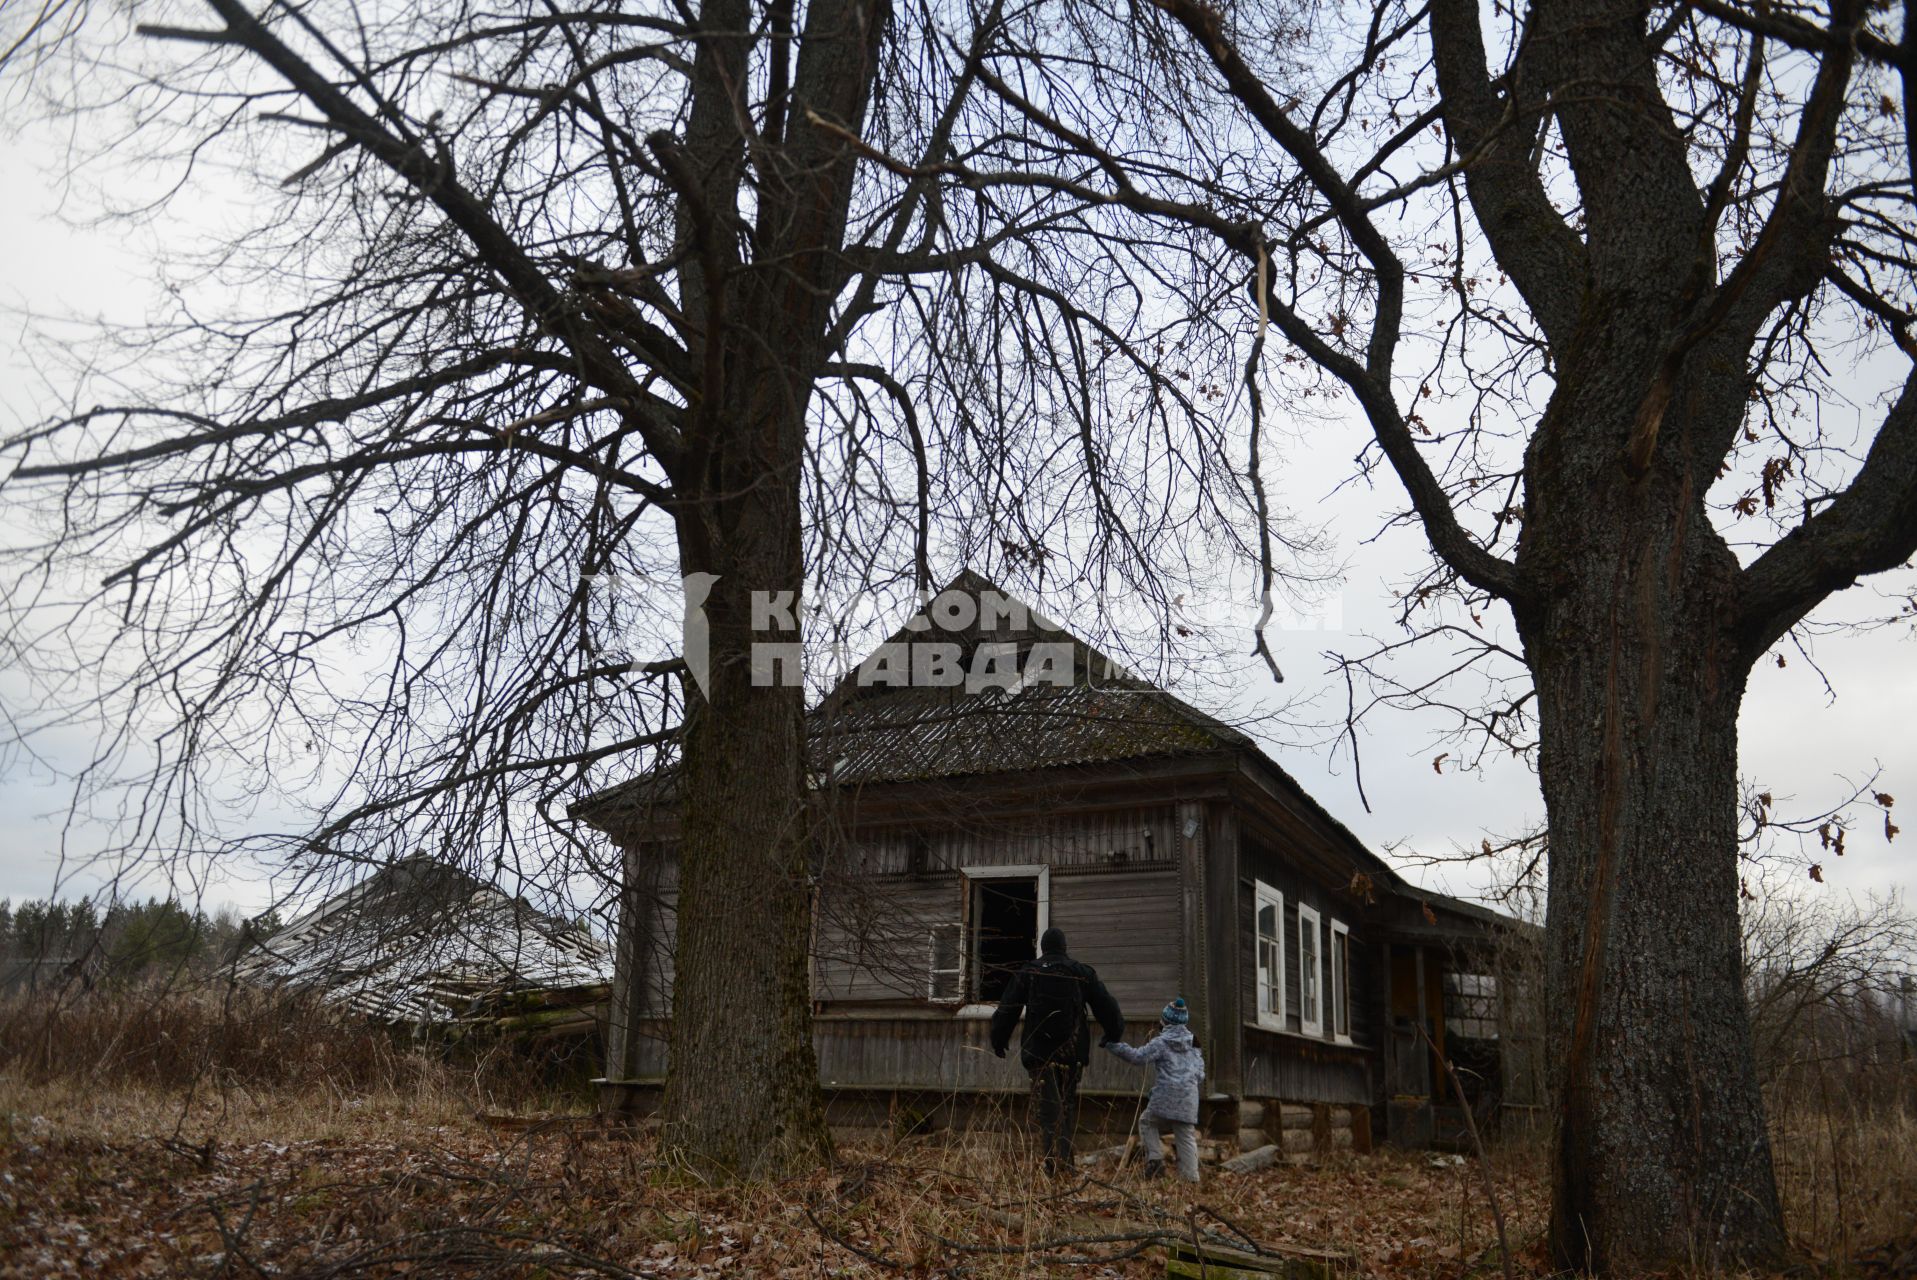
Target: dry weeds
{"x":134,"y":1183}
{"x":184,"y":1165}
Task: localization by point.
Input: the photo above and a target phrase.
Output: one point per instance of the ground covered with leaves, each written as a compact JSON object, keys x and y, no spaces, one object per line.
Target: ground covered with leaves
{"x":125,"y":1184}
{"x":251,"y":1185}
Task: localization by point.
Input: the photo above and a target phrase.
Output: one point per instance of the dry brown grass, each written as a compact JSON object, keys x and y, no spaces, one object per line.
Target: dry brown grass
{"x":392,"y":1185}
{"x":1848,"y":1177}
{"x":235,"y":1041}
{"x":145,"y":1181}
{"x":184,"y":1136}
{"x":134,"y":1182}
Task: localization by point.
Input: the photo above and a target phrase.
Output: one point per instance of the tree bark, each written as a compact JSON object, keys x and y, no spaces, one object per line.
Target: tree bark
{"x":1663,"y":1158}
{"x":742,"y":1085}
{"x":742,"y":1096}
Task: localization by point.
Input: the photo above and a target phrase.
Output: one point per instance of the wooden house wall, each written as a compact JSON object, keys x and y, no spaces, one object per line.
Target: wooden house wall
{"x":874,"y":935}
{"x":659,"y":953}
{"x":1119,"y":890}
{"x":1109,"y":839}
{"x":1125,"y":925}
{"x":919,"y":1053}
{"x":1366,"y":984}
{"x":942,"y":1054}
{"x":1292,"y":1065}
{"x":653,"y":916}
{"x":1296,"y":1070}
{"x":1113,"y":889}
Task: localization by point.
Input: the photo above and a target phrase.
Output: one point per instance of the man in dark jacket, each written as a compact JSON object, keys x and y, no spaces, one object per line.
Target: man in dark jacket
{"x":1051,"y":993}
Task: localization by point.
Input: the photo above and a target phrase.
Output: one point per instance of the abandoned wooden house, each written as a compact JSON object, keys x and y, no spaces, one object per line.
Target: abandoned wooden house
{"x":956,"y":824}
{"x":421,"y":944}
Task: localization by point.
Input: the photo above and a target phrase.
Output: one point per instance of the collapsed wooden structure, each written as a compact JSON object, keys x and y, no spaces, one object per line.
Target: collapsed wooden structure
{"x":425,"y":945}
{"x":955,"y":824}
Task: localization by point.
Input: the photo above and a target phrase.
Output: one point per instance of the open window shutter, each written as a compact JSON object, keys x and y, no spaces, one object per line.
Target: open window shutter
{"x":1266,"y":969}
{"x":945,"y":965}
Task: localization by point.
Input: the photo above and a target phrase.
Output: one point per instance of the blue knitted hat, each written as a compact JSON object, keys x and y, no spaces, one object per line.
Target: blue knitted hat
{"x":1175,"y":1014}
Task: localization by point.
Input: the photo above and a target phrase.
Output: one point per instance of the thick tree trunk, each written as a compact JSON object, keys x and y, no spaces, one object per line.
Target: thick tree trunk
{"x":742,"y":1089}
{"x":1662,"y":1156}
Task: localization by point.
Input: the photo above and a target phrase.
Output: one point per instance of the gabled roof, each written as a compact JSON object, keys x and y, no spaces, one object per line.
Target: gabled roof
{"x":422,"y":942}
{"x":865,"y":733}
{"x":1098,"y":713}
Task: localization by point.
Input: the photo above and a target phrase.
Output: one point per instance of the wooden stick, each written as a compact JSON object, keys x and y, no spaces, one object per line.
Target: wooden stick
{"x":1477,"y":1144}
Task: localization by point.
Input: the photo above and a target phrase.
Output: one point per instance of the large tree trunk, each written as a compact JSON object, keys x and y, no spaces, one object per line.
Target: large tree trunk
{"x":1662,"y":1156}
{"x":742,"y":1089}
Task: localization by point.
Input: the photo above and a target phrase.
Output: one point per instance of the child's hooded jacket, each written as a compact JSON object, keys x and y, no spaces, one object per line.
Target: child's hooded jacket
{"x":1180,"y":1065}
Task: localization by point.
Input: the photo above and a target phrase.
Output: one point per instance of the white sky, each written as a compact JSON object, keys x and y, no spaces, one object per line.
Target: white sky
{"x":1796,"y":741}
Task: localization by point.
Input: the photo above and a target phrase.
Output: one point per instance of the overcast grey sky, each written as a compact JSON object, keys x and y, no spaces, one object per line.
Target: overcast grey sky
{"x":1798,"y":742}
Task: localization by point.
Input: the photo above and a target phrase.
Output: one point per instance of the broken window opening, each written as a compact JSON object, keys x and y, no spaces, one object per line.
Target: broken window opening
{"x":1004,"y":932}
{"x":1471,"y":1005}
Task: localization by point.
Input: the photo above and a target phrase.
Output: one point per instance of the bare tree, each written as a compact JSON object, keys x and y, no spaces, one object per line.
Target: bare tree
{"x":1588,"y":270}
{"x":1825,"y":978}
{"x":530,"y":302}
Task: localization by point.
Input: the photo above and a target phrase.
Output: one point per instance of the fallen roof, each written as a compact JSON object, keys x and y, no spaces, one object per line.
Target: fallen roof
{"x":421,"y":942}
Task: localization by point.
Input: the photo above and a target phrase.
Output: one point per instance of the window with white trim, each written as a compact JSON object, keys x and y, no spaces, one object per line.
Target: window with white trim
{"x":1270,"y":933}
{"x":1006,"y":909}
{"x":945,"y":972}
{"x":1341,"y":981}
{"x":1310,"y":1011}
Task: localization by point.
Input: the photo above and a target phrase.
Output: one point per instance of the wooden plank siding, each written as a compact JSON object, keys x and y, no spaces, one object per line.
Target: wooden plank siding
{"x":1114,"y":888}
{"x":910,"y":1053}
{"x":1224,"y":985}
{"x":874,"y":938}
{"x":948,"y":1054}
{"x":1291,"y":1065}
{"x":1125,"y":925}
{"x":1298,"y":1070}
{"x":1145,"y":834}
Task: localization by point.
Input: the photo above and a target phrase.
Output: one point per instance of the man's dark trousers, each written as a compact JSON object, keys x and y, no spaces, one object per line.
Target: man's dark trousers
{"x":1054,"y":1112}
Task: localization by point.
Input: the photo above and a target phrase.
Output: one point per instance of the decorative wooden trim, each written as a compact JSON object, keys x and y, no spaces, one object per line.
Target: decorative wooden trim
{"x":1313,"y":1026}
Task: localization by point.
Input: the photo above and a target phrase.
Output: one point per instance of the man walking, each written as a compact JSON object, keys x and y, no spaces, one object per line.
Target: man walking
{"x":1052,"y":994}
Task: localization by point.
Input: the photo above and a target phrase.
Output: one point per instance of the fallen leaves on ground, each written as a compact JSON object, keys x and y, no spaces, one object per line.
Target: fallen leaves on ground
{"x":578,"y":1197}
{"x":358,"y":1194}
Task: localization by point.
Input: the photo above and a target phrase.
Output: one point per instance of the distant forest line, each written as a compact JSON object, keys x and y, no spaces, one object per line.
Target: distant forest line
{"x":48,"y":941}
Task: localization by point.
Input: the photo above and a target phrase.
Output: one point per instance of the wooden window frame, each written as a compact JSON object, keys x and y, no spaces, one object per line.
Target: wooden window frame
{"x":1340,"y":983}
{"x":1042,"y":872}
{"x":1315,"y":1025}
{"x":933,"y":973}
{"x":1265,"y":895}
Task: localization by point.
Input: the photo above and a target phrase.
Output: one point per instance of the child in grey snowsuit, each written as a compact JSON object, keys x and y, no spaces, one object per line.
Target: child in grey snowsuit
{"x":1174,"y":1097}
